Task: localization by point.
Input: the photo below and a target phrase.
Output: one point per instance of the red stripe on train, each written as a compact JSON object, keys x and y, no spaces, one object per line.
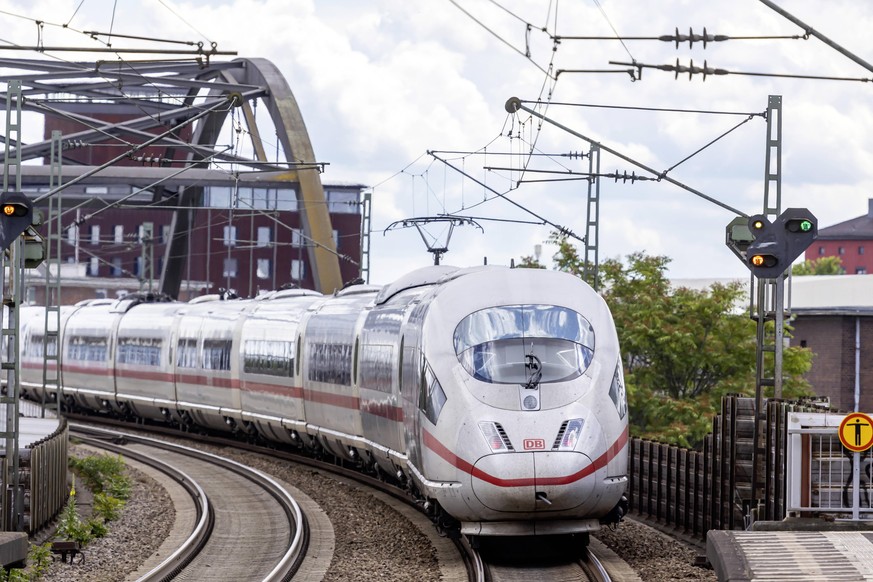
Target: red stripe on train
{"x":440,"y":449}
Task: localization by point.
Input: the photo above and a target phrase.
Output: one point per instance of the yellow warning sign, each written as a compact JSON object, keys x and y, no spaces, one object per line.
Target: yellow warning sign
{"x":856,"y":432}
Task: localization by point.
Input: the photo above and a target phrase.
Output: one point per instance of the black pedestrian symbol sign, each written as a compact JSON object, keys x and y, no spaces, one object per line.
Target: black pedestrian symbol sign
{"x":856,"y":432}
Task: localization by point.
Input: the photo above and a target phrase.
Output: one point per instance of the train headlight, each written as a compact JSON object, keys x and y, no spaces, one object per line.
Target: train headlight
{"x":495,"y":436}
{"x":568,"y":436}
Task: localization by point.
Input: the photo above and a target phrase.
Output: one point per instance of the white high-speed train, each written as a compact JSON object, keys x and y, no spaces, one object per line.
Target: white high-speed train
{"x":495,"y":394}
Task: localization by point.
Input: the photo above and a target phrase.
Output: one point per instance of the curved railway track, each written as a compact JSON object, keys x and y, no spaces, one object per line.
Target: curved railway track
{"x":568,"y":559}
{"x":230,"y":498}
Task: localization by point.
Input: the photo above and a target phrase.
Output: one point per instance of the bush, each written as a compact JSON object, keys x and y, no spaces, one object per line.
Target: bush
{"x":70,"y":526}
{"x":103,"y":473}
{"x":107,"y":506}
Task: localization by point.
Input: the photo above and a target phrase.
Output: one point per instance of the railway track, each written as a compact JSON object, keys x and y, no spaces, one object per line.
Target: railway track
{"x":569,"y":559}
{"x":230,"y":497}
{"x":523,"y":559}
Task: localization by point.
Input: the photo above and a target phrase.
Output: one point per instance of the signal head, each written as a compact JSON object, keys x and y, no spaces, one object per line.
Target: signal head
{"x":16,"y":214}
{"x":15,"y":209}
{"x":801,"y":225}
{"x":758,"y":224}
{"x":763,"y":260}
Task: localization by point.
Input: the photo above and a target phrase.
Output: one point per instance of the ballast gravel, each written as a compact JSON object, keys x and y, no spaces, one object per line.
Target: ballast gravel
{"x":373,"y":541}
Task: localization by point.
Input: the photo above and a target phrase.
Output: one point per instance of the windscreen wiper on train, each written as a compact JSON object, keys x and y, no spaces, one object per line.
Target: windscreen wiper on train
{"x":533,"y":363}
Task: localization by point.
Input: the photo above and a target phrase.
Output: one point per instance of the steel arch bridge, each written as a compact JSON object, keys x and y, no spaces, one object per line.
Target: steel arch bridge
{"x":182,"y":107}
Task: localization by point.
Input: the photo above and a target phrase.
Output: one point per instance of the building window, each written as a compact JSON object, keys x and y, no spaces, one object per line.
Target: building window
{"x":264,"y":236}
{"x":230,"y":266}
{"x":803,"y":343}
{"x":230,"y":236}
{"x":146,"y":232}
{"x":119,"y":234}
{"x":841,"y":251}
{"x":94,"y":267}
{"x":137,"y":266}
{"x":861,"y":250}
{"x":73,"y":235}
{"x":165,"y":233}
{"x":95,"y":234}
{"x":296,"y":238}
{"x":335,"y":239}
{"x":116,"y":266}
{"x":342,"y":202}
{"x":297,"y":270}
{"x":263,"y":268}
{"x":861,"y":270}
{"x":821,"y":251}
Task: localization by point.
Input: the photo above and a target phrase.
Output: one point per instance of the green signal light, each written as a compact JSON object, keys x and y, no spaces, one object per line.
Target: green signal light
{"x":805,"y":225}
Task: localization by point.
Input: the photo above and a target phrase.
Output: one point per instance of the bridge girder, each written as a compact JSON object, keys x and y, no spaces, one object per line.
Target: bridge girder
{"x":185,"y":89}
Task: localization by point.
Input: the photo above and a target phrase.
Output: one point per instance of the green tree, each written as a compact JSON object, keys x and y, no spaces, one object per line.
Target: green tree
{"x":682,"y":349}
{"x":819,"y":266}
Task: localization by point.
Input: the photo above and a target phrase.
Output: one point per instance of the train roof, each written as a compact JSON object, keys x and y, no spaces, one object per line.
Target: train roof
{"x":418,"y":278}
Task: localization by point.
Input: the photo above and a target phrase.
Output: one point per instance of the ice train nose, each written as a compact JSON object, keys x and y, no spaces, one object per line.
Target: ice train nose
{"x":528,"y":482}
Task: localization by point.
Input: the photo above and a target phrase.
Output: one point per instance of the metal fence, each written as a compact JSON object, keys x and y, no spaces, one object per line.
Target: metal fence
{"x":821,"y":472}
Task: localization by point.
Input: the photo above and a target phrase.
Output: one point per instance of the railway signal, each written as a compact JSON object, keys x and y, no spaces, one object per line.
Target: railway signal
{"x":777,"y":244}
{"x":16,"y":214}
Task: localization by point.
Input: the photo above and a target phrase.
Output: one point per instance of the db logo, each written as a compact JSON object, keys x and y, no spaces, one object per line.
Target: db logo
{"x":534,"y":444}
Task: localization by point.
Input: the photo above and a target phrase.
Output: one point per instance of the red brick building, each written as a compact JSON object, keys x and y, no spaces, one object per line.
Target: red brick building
{"x":841,"y":340}
{"x":832,"y":315}
{"x":851,"y":241}
{"x":246,"y":232}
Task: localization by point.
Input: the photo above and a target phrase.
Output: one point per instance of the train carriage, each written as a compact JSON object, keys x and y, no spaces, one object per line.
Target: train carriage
{"x":517,"y":431}
{"x":495,"y":395}
{"x":206,"y":374}
{"x":87,"y":345}
{"x":271,"y":394}
{"x":332,"y":401}
{"x":143,"y":382}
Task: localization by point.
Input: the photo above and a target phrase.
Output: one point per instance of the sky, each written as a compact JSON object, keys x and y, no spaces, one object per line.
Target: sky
{"x":407,"y":98}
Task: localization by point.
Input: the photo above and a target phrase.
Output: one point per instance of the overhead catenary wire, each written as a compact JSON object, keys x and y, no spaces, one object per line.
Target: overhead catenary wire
{"x":515,"y":104}
{"x":706,"y":71}
{"x":560,"y":228}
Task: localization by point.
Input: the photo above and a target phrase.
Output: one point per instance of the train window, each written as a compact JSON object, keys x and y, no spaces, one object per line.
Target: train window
{"x":87,"y":349}
{"x":139,"y":351}
{"x":35,"y":346}
{"x":268,"y":357}
{"x":377,"y":367}
{"x":330,"y":363}
{"x":617,"y":392}
{"x":513,"y":344}
{"x":186,"y":353}
{"x":433,"y":397}
{"x":216,"y":354}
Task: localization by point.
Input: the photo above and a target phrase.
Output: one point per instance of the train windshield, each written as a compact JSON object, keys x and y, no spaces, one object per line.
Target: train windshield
{"x":524,"y":344}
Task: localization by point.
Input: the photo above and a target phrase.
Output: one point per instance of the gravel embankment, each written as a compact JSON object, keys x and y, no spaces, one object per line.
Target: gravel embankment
{"x":132,"y":538}
{"x":653,"y":555}
{"x":373,"y":541}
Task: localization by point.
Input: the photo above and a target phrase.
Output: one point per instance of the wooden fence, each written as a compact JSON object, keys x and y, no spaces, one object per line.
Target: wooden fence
{"x":693,"y":491}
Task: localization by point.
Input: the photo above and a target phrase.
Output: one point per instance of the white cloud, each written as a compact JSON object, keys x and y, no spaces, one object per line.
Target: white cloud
{"x":380,"y":83}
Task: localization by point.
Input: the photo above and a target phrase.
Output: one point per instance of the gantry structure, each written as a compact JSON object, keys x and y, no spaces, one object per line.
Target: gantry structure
{"x":177,"y":113}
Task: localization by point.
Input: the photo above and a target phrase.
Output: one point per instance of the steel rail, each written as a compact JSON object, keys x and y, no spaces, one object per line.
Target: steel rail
{"x":189,"y":549}
{"x":593,"y":567}
{"x":293,"y":557}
